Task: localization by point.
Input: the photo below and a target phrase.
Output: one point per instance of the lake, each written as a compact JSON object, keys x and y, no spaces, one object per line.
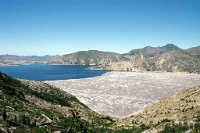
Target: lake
{"x":42,"y":72}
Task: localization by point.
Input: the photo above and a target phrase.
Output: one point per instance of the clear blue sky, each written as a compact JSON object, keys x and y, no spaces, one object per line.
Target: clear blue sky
{"x":40,"y":27}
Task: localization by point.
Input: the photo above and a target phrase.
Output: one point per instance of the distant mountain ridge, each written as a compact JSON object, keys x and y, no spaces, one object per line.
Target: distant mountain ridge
{"x":167,"y":58}
{"x":152,"y":51}
{"x":100,"y":57}
{"x":18,"y":60}
{"x":93,"y":57}
{"x":34,"y":57}
{"x":180,"y":60}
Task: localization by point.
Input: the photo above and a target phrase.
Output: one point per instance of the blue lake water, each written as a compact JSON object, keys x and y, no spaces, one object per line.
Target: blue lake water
{"x":42,"y":72}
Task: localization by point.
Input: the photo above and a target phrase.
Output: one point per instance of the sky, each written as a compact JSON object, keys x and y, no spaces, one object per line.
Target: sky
{"x":51,"y":27}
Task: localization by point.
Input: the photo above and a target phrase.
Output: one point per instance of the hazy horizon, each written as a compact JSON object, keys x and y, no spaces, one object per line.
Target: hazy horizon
{"x":59,"y":27}
{"x":89,"y":50}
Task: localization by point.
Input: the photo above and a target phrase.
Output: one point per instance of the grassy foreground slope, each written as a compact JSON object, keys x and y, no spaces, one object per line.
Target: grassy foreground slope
{"x":179,"y":112}
{"x":30,"y":106}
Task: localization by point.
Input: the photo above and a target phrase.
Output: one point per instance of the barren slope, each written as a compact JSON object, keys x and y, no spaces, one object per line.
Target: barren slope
{"x":122,"y":93}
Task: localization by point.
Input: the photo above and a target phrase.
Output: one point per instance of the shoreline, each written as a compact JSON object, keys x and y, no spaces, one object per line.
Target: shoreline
{"x":119,"y":94}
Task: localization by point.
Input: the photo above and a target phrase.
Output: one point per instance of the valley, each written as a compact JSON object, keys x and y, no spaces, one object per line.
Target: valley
{"x":152,"y":89}
{"x":142,"y":101}
{"x":99,"y":66}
